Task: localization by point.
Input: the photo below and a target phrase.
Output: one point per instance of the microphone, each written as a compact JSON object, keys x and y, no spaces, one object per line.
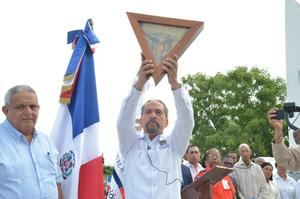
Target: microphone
{"x":148,"y":147}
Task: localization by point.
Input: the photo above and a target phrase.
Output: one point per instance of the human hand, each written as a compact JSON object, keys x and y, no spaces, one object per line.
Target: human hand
{"x":276,"y":124}
{"x":170,"y":66}
{"x":144,"y":73}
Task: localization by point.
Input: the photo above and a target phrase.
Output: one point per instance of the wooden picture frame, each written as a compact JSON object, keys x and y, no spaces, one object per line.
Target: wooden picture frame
{"x":161,"y":37}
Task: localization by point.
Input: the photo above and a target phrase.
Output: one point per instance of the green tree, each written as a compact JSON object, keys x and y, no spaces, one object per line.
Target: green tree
{"x":107,"y":170}
{"x":230,"y":109}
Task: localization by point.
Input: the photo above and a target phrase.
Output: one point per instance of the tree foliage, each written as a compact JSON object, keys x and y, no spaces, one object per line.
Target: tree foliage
{"x":230,"y":109}
{"x":107,"y":170}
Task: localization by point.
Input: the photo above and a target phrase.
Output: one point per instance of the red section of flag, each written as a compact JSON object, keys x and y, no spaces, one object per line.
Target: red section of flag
{"x":122,"y":192}
{"x":91,"y":184}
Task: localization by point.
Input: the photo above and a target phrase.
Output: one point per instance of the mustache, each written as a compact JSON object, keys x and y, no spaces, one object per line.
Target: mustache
{"x":152,"y":129}
{"x":152,"y":121}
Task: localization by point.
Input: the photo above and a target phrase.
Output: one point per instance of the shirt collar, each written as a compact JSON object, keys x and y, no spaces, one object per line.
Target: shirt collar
{"x":15,"y":133}
{"x":159,"y":138}
{"x":276,"y":176}
{"x":242,"y":163}
{"x":192,"y":166}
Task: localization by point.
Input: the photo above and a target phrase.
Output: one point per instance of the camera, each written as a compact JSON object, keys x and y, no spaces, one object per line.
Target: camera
{"x":279,"y":115}
{"x":288,"y":108}
{"x":288,"y":112}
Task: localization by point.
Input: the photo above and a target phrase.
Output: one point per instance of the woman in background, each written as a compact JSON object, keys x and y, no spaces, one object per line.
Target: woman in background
{"x":271,"y":188}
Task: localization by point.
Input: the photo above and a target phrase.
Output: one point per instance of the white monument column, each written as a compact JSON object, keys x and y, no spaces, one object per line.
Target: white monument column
{"x":292,"y":28}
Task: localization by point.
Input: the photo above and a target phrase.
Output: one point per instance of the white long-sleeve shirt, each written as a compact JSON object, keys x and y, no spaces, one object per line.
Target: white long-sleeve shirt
{"x":287,"y":187}
{"x":152,"y":167}
{"x":272,"y":191}
{"x":298,"y":189}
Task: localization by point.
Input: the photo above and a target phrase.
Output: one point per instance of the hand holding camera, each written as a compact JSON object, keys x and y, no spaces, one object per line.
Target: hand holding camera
{"x":278,"y":115}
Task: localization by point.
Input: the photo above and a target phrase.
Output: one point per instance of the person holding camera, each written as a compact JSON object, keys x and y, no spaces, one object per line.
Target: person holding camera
{"x":284,"y":156}
{"x":296,"y":135}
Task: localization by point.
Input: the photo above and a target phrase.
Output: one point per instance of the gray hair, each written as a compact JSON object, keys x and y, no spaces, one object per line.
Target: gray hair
{"x":16,"y":89}
{"x":156,"y":100}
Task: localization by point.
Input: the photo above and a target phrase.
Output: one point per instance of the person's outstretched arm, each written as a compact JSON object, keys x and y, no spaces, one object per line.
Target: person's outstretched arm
{"x":286,"y":157}
{"x":185,"y":117}
{"x":127,"y":116}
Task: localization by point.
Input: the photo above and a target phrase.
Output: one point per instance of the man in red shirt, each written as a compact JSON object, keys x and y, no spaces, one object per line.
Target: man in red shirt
{"x":223,"y":189}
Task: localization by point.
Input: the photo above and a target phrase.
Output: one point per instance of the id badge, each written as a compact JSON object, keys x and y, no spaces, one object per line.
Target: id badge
{"x":225,"y":184}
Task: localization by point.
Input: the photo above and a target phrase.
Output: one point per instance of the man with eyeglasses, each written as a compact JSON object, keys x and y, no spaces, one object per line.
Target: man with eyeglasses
{"x":223,"y":189}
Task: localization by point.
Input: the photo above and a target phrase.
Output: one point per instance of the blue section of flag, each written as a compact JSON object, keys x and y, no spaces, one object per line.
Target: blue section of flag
{"x":84,"y":105}
{"x":108,"y":179}
{"x":117,"y":179}
{"x":78,"y":51}
{"x":82,"y":39}
{"x":72,"y":35}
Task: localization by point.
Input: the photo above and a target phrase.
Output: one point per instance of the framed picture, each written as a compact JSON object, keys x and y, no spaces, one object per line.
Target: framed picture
{"x":160,"y":37}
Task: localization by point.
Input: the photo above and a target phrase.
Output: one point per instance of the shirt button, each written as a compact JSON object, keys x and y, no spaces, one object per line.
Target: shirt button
{"x":153,"y":169}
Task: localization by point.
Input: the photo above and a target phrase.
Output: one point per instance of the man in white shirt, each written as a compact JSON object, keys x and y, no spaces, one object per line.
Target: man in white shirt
{"x":193,"y":156}
{"x":286,"y":184}
{"x":152,"y":159}
{"x":298,"y":189}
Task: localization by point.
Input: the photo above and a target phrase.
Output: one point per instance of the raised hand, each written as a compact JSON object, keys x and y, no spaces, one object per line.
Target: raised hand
{"x":144,"y":73}
{"x":170,"y":66}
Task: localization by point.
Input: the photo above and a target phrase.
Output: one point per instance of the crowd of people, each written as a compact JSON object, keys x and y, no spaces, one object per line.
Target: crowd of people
{"x":251,"y":178}
{"x":156,"y":164}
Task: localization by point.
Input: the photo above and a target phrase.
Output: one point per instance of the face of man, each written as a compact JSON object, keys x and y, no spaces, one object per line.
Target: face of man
{"x":297,"y":138}
{"x":153,"y":119}
{"x":245,"y":153}
{"x":228,"y":162}
{"x":259,"y":161}
{"x":193,"y":155}
{"x":22,"y":112}
{"x":281,"y":171}
{"x":233,"y":156}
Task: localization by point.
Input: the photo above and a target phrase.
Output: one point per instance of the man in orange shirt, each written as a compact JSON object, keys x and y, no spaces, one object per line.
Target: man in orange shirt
{"x":223,"y":189}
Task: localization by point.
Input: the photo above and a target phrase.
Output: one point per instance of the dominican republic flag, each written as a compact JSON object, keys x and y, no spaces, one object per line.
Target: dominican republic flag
{"x":75,"y":131}
{"x":116,"y":189}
